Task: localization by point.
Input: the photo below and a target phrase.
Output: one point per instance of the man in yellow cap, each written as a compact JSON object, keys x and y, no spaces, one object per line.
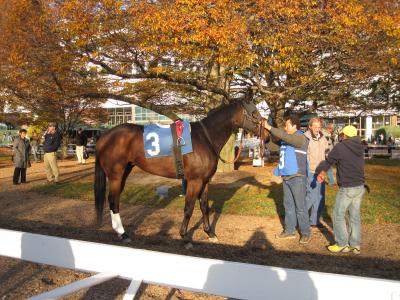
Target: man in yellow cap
{"x":348,"y":156}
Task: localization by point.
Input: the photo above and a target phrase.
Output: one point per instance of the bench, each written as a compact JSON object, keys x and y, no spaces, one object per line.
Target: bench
{"x":395,"y":154}
{"x":378,"y":152}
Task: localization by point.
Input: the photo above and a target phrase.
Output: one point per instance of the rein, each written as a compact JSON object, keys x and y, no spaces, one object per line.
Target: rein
{"x":215,"y":150}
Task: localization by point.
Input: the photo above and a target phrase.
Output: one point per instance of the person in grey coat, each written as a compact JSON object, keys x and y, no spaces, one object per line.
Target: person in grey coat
{"x":21,"y":150}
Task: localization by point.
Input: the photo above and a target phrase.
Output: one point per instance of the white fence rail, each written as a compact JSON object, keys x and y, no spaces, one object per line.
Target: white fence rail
{"x":217,"y":277}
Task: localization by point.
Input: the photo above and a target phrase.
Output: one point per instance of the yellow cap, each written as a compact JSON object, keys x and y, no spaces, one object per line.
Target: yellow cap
{"x":349,"y":131}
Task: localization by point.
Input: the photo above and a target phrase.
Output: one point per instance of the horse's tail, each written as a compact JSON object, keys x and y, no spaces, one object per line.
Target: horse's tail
{"x":99,"y":190}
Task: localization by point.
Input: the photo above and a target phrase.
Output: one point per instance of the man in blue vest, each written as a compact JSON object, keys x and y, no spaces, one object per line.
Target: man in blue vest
{"x":292,"y":168}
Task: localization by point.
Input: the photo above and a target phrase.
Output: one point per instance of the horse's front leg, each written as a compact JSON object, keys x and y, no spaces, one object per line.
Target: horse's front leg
{"x":192,"y":193}
{"x":113,"y":199}
{"x":205,"y":209}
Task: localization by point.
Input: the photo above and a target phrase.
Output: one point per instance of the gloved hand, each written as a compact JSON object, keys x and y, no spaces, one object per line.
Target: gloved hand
{"x":321,"y":177}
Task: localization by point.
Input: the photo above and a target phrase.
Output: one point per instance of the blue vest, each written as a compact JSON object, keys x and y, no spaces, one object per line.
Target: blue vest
{"x":157,"y":140}
{"x":292,"y":160}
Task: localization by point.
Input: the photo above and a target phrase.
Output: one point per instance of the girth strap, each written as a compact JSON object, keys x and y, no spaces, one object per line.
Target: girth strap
{"x":176,"y":147}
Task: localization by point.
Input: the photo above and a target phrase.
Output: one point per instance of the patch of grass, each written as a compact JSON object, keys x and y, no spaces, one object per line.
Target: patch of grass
{"x":382,"y":205}
{"x":76,"y":190}
{"x":246,"y":200}
{"x":395,"y":163}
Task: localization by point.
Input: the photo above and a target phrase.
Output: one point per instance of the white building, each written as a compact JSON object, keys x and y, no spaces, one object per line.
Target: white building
{"x":121,"y":112}
{"x":367,"y":122}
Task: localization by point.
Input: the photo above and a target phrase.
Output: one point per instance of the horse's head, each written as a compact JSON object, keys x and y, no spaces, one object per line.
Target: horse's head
{"x":251,"y":117}
{"x":253,"y":122}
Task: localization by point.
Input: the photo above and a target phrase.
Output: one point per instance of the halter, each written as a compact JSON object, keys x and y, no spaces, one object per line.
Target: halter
{"x":250,"y":121}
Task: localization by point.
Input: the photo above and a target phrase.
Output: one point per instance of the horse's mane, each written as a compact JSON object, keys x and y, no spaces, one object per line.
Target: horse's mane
{"x":221,"y":107}
{"x":224,"y":108}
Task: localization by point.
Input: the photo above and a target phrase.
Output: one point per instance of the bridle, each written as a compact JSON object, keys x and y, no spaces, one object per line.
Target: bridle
{"x":251,"y":121}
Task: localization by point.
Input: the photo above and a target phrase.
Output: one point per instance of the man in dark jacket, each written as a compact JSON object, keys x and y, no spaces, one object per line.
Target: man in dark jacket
{"x":292,"y":168}
{"x":52,"y":141}
{"x":348,"y":156}
{"x":81,"y":141}
{"x":21,"y":161}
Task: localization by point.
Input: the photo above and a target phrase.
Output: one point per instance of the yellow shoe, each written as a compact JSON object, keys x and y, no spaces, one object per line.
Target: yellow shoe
{"x":336,"y":248}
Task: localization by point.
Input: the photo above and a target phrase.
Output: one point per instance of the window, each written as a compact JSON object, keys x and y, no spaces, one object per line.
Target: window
{"x":363,"y":122}
{"x":386,"y":120}
{"x":119,"y":115}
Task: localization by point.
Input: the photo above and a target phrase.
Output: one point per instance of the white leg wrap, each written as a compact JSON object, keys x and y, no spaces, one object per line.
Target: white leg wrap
{"x":117,"y":223}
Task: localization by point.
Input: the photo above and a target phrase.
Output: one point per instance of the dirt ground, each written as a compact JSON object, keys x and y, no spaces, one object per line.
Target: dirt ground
{"x":241,"y":238}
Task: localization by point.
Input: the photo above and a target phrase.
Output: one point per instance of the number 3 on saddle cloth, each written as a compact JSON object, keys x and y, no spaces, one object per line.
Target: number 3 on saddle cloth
{"x":158,"y":140}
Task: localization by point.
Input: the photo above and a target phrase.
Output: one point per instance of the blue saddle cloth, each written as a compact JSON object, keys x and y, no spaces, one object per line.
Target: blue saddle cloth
{"x":158,"y":140}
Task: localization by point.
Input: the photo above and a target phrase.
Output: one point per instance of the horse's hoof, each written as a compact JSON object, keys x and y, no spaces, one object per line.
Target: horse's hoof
{"x":213,"y":239}
{"x":125,"y":238}
{"x":188,"y":246}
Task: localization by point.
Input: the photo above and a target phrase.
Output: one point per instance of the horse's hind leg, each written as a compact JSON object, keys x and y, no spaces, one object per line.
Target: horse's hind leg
{"x":192,"y":193}
{"x":205,"y":209}
{"x":113,"y":198}
{"x":127,"y":171}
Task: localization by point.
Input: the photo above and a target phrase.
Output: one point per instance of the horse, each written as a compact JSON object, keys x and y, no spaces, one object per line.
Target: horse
{"x":122,"y":148}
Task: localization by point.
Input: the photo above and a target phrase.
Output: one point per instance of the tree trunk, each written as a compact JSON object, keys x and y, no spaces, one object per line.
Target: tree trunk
{"x":64,"y":145}
{"x":64,"y":148}
{"x":228,"y":151}
{"x":228,"y":154}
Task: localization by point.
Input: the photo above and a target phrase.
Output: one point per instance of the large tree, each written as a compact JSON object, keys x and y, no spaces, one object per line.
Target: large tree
{"x":38,"y":74}
{"x":196,"y":54}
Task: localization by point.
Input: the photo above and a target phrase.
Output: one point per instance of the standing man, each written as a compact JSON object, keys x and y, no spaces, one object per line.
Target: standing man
{"x":21,"y":149}
{"x":292,"y":168}
{"x":318,"y":148}
{"x":81,"y":141}
{"x":348,"y":156}
{"x":52,"y":141}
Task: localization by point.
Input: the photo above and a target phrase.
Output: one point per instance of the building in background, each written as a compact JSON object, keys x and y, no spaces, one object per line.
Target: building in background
{"x":120,"y":112}
{"x":366,"y":122}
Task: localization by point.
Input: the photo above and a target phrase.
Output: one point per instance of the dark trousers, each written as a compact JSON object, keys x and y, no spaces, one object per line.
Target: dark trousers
{"x":19,"y":172}
{"x":294,"y":201}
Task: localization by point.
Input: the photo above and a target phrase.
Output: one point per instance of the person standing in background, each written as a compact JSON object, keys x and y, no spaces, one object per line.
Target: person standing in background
{"x":21,"y":150}
{"x":316,"y":153}
{"x":52,"y":141}
{"x":35,"y":142}
{"x":81,"y":142}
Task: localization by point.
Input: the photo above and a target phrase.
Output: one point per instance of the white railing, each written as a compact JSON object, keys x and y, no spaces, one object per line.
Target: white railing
{"x":217,"y":277}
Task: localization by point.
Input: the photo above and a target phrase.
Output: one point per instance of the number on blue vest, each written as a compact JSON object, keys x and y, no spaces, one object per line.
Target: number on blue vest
{"x":155,"y":143}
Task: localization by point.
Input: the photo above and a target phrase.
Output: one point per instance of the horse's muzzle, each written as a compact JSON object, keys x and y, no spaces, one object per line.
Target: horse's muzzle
{"x":251,"y":125}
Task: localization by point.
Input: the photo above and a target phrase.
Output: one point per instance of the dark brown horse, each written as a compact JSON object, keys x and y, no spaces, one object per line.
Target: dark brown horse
{"x":121,"y":148}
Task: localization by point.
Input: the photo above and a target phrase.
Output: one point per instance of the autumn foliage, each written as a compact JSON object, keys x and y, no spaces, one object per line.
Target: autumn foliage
{"x":196,"y":54}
